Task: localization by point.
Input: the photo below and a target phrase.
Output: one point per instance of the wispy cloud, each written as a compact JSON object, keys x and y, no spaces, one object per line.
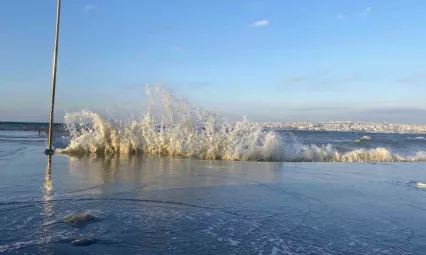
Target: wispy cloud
{"x":260,"y":23}
{"x":414,"y":79}
{"x":316,"y":83}
{"x":341,"y":16}
{"x":296,"y":79}
{"x":375,"y":111}
{"x":365,"y":12}
{"x":88,"y":7}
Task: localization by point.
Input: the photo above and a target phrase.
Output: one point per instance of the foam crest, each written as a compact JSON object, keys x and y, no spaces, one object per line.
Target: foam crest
{"x":417,"y":138}
{"x":364,"y":139}
{"x":173,"y":126}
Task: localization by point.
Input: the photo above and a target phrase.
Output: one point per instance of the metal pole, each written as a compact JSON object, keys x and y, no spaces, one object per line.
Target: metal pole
{"x":50,"y":151}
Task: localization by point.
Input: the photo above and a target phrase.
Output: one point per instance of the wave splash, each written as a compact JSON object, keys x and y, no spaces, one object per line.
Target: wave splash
{"x":175,"y":127}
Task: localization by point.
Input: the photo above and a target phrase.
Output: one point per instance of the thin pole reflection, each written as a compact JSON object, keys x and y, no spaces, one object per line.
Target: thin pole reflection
{"x":46,"y":229}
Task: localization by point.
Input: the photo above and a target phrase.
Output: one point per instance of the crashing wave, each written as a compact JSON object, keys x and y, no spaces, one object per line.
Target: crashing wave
{"x":185,"y":130}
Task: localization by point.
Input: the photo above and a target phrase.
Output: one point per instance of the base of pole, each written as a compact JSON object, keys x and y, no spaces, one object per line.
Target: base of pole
{"x":49,"y":152}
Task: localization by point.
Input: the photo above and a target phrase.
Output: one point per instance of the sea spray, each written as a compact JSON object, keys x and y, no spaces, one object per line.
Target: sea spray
{"x":174,"y":126}
{"x":181,"y":130}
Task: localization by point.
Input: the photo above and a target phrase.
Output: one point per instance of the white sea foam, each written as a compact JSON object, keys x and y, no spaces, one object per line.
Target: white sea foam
{"x":364,"y":139}
{"x":183,"y":129}
{"x":417,"y":138}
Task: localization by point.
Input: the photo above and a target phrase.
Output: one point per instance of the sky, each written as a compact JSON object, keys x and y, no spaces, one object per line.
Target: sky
{"x":269,"y":60}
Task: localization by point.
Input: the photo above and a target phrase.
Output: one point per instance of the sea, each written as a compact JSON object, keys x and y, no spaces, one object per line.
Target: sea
{"x":189,"y":182}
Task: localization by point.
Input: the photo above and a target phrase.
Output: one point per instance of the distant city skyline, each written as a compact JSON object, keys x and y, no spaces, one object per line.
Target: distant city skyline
{"x":277,"y":61}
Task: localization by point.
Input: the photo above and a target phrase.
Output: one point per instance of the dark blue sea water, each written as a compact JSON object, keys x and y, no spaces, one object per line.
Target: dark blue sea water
{"x":29,"y":126}
{"x":128,"y":203}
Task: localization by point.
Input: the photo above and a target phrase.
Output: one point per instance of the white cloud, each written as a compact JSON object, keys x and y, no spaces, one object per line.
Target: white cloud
{"x":366,"y":11}
{"x":260,"y":23}
{"x":88,"y":7}
{"x":340,"y":16}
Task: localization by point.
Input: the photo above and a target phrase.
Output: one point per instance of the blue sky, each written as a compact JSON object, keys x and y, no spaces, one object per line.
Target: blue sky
{"x":276,"y":60}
